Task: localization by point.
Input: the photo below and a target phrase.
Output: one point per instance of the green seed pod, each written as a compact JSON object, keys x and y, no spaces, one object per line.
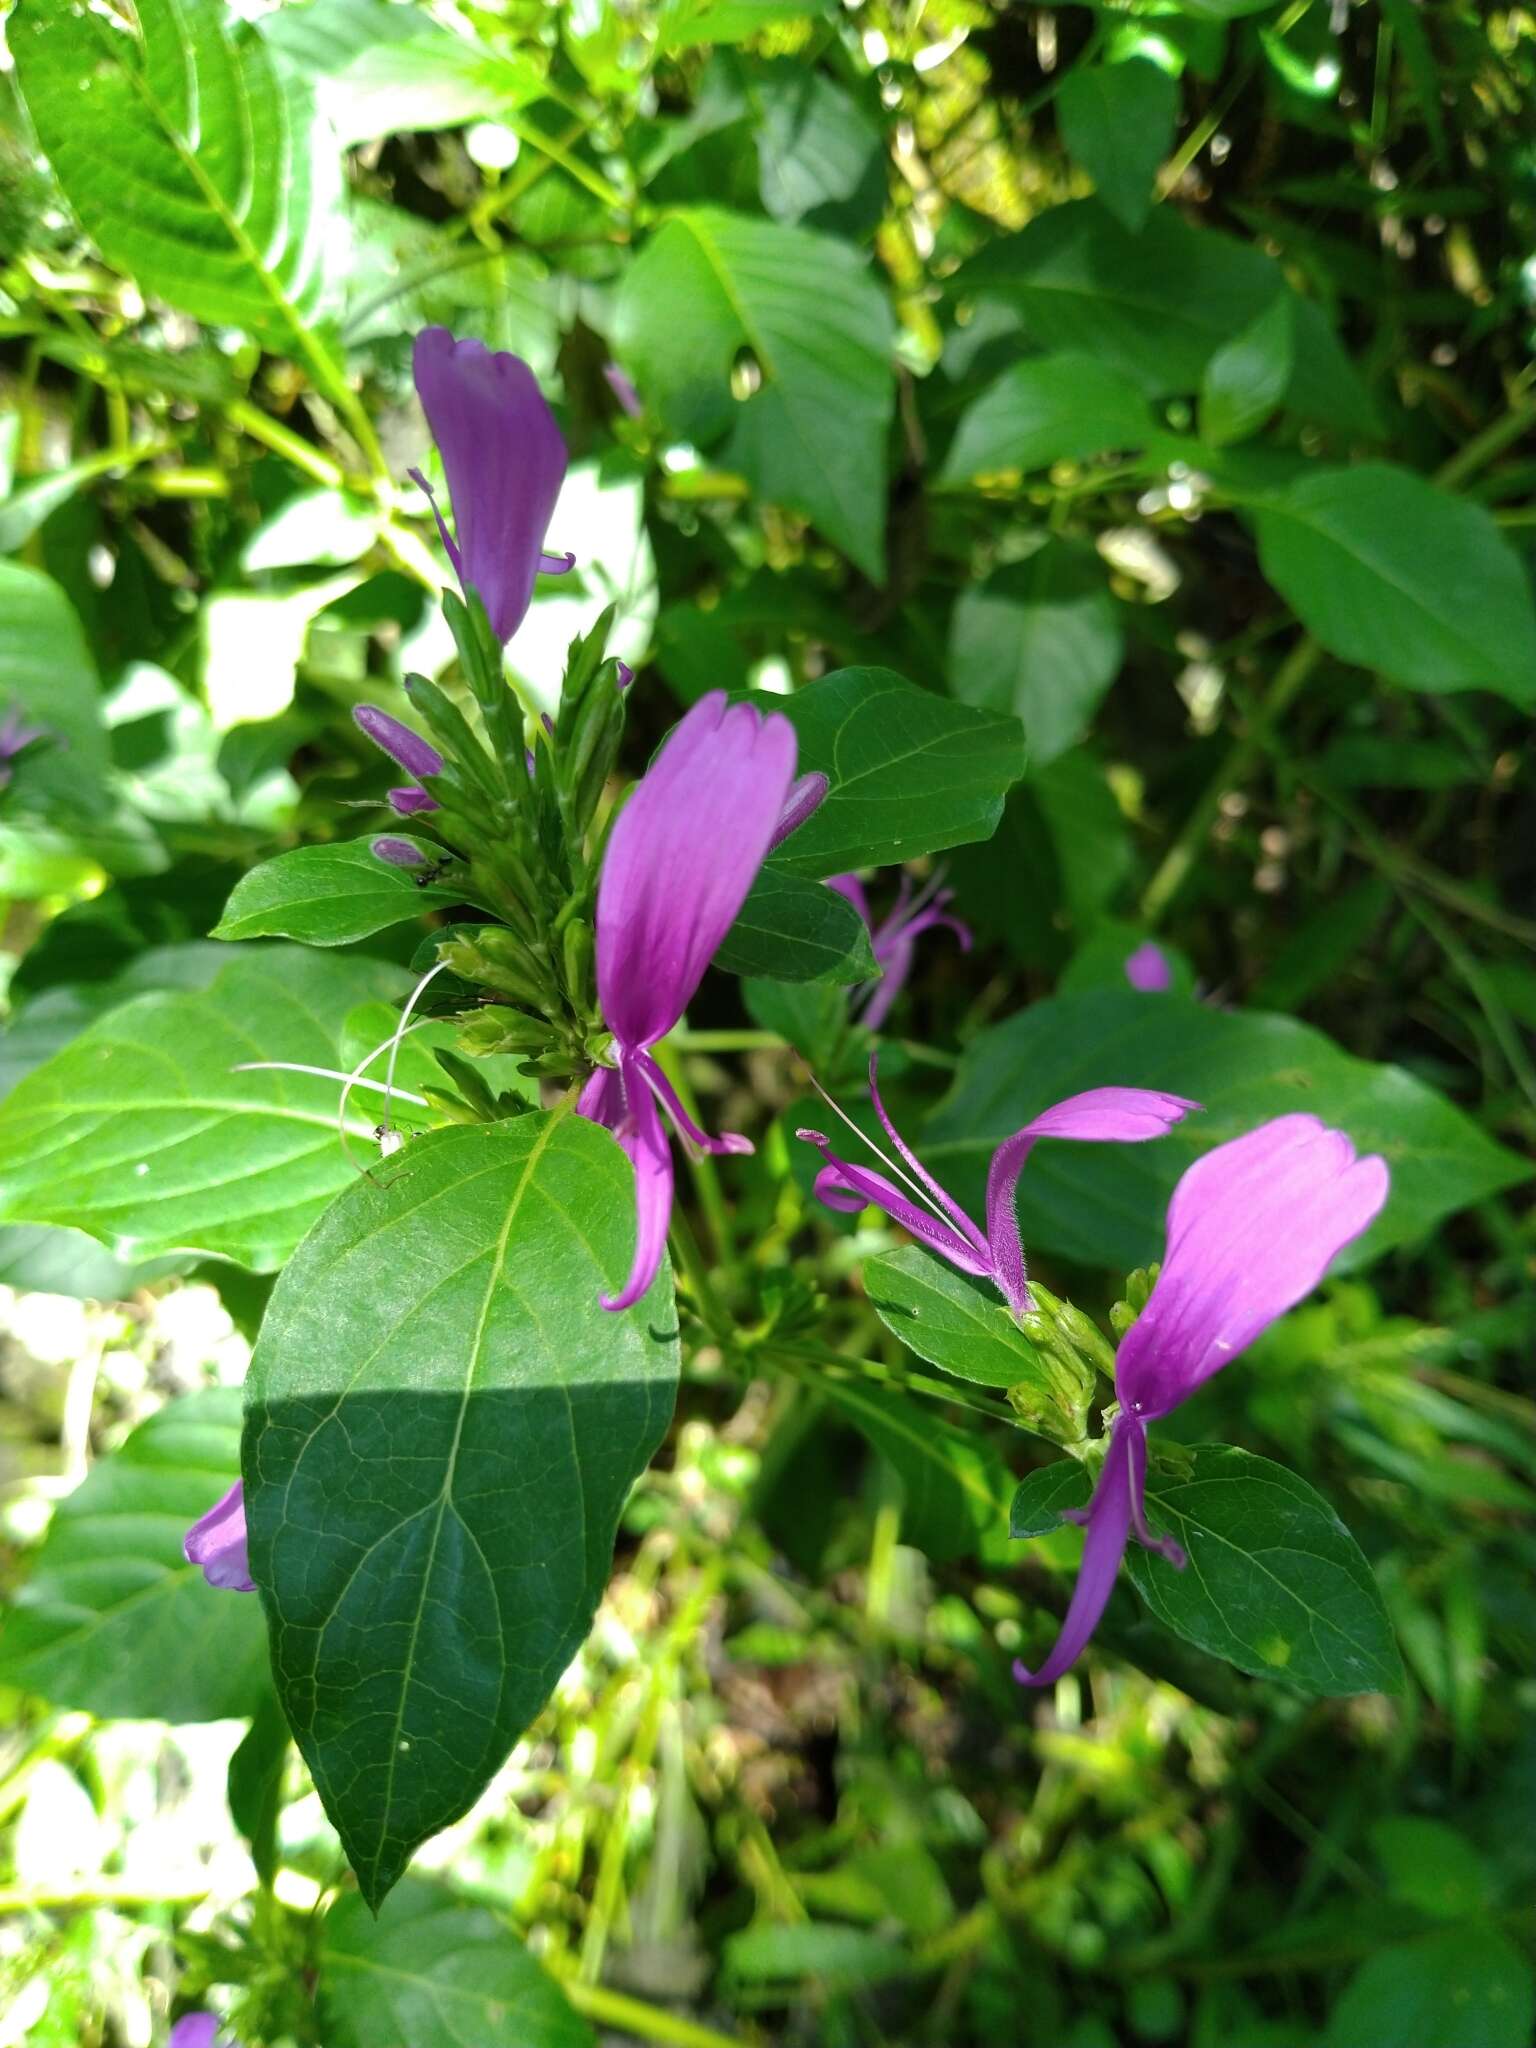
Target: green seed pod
{"x":577,"y":948}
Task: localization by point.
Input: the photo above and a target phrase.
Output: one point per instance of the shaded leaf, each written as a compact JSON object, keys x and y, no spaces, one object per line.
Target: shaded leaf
{"x":797,"y":930}
{"x":1247,"y":378}
{"x":1057,"y":408}
{"x":1041,"y":639}
{"x":1117,"y":121}
{"x":954,"y":1487}
{"x":1466,"y":1986}
{"x":331,"y":895}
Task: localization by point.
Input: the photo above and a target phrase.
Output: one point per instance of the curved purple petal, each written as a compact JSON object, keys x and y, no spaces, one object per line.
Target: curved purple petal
{"x":195,"y":2030}
{"x":1252,"y":1228}
{"x":896,"y":957}
{"x":684,"y":853}
{"x":216,"y":1542}
{"x":1115,"y":1499}
{"x":414,"y":754}
{"x":909,"y":1158}
{"x":409,"y":800}
{"x":622,"y":1102}
{"x":1126,"y":1116}
{"x":729,"y":1142}
{"x":1148,"y":969}
{"x":849,"y":1188}
{"x":806,"y":797}
{"x":504,"y":459}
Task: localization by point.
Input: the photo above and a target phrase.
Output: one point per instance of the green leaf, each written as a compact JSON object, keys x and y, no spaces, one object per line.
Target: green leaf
{"x":434,"y":1972}
{"x":797,"y":930}
{"x":908,"y":772}
{"x":710,"y":285}
{"x":1060,"y":408}
{"x":1432,"y":1867}
{"x":47,"y":674}
{"x":1400,"y":577}
{"x":1275,"y":1583}
{"x":1156,"y":306}
{"x":953,"y":1484}
{"x":1466,"y":1986}
{"x":820,"y":157}
{"x":112,"y":1620}
{"x":1104,"y":1204}
{"x":682,"y":24}
{"x":255,"y":1784}
{"x":36,"y":1259}
{"x":953,"y":1322}
{"x":1117,"y":121}
{"x":383,"y":69}
{"x":192,"y":166}
{"x":1247,"y":378}
{"x":330,"y":895}
{"x":1041,"y":639}
{"x":140,"y":1133}
{"x":442,"y":1427}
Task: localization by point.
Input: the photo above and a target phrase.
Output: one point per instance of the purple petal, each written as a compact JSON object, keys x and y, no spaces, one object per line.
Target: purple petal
{"x":915,"y":1166}
{"x":1125,"y":1116}
{"x":1109,"y":1527}
{"x":625,"y":676}
{"x":807,"y":796}
{"x":504,"y":460}
{"x":896,"y":958}
{"x":849,"y":1188}
{"x":1252,"y":1228}
{"x":410,"y":800}
{"x":667,"y":1096}
{"x":623,"y":1103}
{"x":1148,"y":969}
{"x":216,"y":1541}
{"x":415,"y":755}
{"x":195,"y":2030}
{"x":623,"y":390}
{"x":556,"y":565}
{"x":684,"y":853}
{"x":399,"y":853}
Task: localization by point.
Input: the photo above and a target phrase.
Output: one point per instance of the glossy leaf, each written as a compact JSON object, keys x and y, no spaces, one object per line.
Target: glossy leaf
{"x":908,"y":772}
{"x":1117,"y":121}
{"x":331,"y":895}
{"x":1400,"y":577}
{"x":435,"y":1972}
{"x":797,"y":930}
{"x":1157,"y":305}
{"x":442,"y":1427}
{"x":165,"y":142}
{"x":951,"y":1321}
{"x":1041,"y":639}
{"x":1056,"y":408}
{"x":140,"y":1133}
{"x":710,"y":285}
{"x":1275,"y":1583}
{"x":1247,"y":378}
{"x":112,"y":1619}
{"x":1104,"y":1204}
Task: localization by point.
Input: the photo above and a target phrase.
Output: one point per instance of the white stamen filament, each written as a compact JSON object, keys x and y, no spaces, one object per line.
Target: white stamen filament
{"x":900,"y":1172}
{"x":352,"y":1080}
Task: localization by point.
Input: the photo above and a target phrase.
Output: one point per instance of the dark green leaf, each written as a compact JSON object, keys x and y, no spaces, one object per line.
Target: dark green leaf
{"x":141,"y":1133}
{"x":1104,"y":1204}
{"x":166,"y":143}
{"x":710,"y":285}
{"x":908,"y":772}
{"x":432,"y":1972}
{"x":330,"y":895}
{"x":256,"y":1783}
{"x":1041,"y":639}
{"x":954,"y":1488}
{"x":1275,"y":1582}
{"x":442,"y":1427}
{"x":1432,"y":1867}
{"x":1466,"y":1987}
{"x":1042,"y":1498}
{"x":1117,"y":121}
{"x":1393,"y":574}
{"x":1156,"y":306}
{"x":1049,"y":409}
{"x":797,"y":930}
{"x":1247,"y":378}
{"x":112,"y":1619}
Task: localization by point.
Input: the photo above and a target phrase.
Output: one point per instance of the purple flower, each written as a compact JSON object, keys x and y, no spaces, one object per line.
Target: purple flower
{"x":398,"y":853}
{"x":1148,"y":969}
{"x":216,"y":1541}
{"x":504,"y":460}
{"x":895,"y":938}
{"x":15,"y":737}
{"x":1126,"y":1116}
{"x":198,"y":2030}
{"x":1252,"y":1228}
{"x":414,"y":754}
{"x":684,"y":853}
{"x":806,"y":796}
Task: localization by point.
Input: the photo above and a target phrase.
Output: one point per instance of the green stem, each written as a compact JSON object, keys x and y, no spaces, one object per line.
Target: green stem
{"x":1240,"y":759}
{"x":285,"y":442}
{"x":645,"y":2022}
{"x":1484,"y":447}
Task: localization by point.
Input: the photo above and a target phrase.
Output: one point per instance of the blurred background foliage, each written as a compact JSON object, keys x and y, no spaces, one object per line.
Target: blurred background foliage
{"x":1159,"y":372}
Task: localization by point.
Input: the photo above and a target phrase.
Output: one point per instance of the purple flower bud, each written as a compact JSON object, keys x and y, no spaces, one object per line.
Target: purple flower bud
{"x":409,"y":800}
{"x":198,"y":2030}
{"x":623,"y":390}
{"x":626,"y":674}
{"x":807,"y":795}
{"x":15,"y":737}
{"x":414,"y":754}
{"x":504,"y":459}
{"x":399,"y":853}
{"x":216,"y":1541}
{"x":1148,"y":969}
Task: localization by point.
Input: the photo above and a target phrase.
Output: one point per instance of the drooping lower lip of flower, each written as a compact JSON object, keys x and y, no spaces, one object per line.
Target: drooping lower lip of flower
{"x":893,"y":939}
{"x":504,"y":459}
{"x":1252,"y":1228}
{"x":928,"y":1212}
{"x":686,"y":849}
{"x":216,"y":1542}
